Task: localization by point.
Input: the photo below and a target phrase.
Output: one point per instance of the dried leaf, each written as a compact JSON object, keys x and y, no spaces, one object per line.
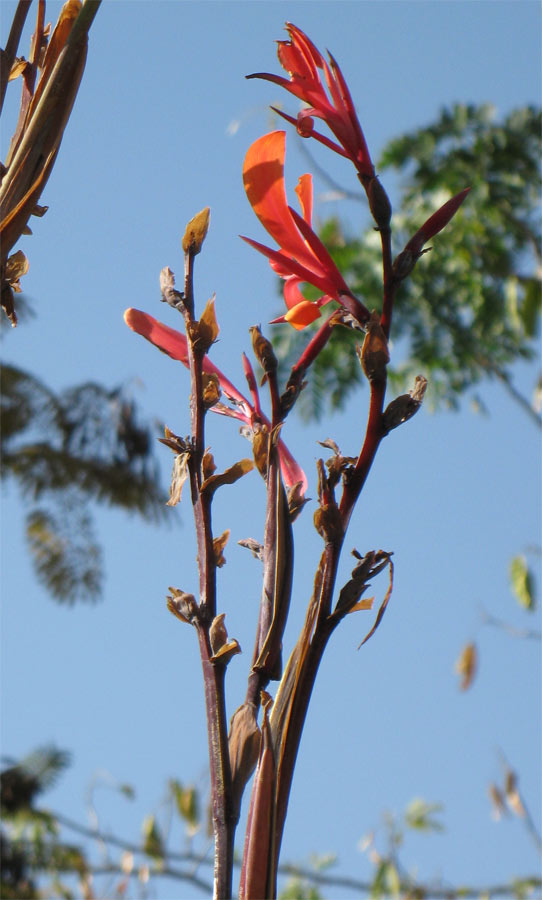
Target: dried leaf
{"x":384,"y":604}
{"x":218,"y":546}
{"x":260,"y":449}
{"x":366,"y":603}
{"x":196,"y":231}
{"x":211,"y":389}
{"x":218,"y":635}
{"x":208,"y":466}
{"x":19,"y":66}
{"x":178,"y":478}
{"x":512,"y":794}
{"x":229,"y":476}
{"x":208,"y":326}
{"x":16,"y":266}
{"x":254,"y":546}
{"x":296,"y":500}
{"x":498,"y":806}
{"x":182,"y":605}
{"x":244,"y":743}
{"x":466,"y":665}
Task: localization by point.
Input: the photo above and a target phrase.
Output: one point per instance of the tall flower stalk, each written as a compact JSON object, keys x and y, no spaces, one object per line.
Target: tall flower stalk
{"x":265,"y":730}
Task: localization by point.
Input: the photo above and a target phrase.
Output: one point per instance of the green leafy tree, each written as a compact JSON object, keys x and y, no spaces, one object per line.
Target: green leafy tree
{"x":470,"y":309}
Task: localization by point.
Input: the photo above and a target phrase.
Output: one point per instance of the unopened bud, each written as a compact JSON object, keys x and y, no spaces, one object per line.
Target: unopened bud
{"x":263,"y":350}
{"x":196,"y":231}
{"x":374,"y":354}
{"x":379,"y":203}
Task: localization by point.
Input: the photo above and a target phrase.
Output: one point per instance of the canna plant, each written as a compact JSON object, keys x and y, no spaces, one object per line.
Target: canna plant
{"x":265,"y":730}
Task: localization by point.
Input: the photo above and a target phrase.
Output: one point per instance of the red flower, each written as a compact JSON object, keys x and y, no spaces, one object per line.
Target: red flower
{"x":304,"y":62}
{"x":302,"y":256}
{"x":175,"y":345}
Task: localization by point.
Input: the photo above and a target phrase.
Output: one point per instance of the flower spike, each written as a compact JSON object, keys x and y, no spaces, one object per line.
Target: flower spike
{"x":323,"y":88}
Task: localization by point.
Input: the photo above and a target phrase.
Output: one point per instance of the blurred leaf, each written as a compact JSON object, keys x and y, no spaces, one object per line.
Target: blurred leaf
{"x":153,"y":844}
{"x":64,"y":449}
{"x":522,"y":583}
{"x":466,"y":665}
{"x":187,"y":802}
{"x":419,"y":815}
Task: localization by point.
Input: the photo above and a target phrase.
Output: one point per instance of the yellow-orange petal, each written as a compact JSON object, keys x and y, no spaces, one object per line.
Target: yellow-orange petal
{"x":263,"y":177}
{"x":304,"y":193}
{"x":302,"y":315}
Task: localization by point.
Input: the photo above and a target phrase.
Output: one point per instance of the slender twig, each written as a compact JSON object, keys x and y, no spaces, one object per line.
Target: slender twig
{"x":10,"y":51}
{"x":224,"y":819}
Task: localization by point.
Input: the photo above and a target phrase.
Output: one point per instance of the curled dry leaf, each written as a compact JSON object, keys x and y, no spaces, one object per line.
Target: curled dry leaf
{"x":178,"y":478}
{"x":244,"y":744}
{"x":16,"y":266}
{"x":229,"y":476}
{"x":218,"y":546}
{"x":382,"y":559}
{"x":511,"y":793}
{"x":498,"y":806}
{"x":182,"y":605}
{"x":223,"y":649}
{"x":466,"y":665}
{"x":254,"y":546}
{"x":404,"y":407}
{"x":211,"y":389}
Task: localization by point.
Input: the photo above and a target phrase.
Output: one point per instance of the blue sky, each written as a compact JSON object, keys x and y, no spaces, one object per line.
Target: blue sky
{"x":160,"y":128}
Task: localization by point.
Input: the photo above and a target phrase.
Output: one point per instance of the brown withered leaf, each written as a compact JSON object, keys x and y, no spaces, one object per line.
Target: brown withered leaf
{"x":386,"y":599}
{"x":218,"y":636}
{"x":244,"y":745}
{"x":223,"y":649}
{"x":365,"y":603}
{"x":511,"y":793}
{"x":208,"y":466}
{"x":208,"y":326}
{"x":39,"y":211}
{"x":296,"y":500}
{"x":182,"y":605}
{"x":218,"y":546}
{"x":466,"y":665}
{"x":498,"y":806}
{"x":16,"y":266}
{"x":211,"y":389}
{"x":20,"y":64}
{"x":174,"y":442}
{"x":254,"y":546}
{"x":229,"y":476}
{"x":178,"y":478}
{"x":260,"y":449}
{"x":196,"y":232}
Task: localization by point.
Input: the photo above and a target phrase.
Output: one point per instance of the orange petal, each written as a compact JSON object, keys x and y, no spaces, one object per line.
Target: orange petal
{"x":302,"y":315}
{"x":304,"y":193}
{"x":263,"y":177}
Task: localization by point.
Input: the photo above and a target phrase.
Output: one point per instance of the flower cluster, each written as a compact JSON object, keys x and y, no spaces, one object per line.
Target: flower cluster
{"x":302,"y":256}
{"x":306,"y":66}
